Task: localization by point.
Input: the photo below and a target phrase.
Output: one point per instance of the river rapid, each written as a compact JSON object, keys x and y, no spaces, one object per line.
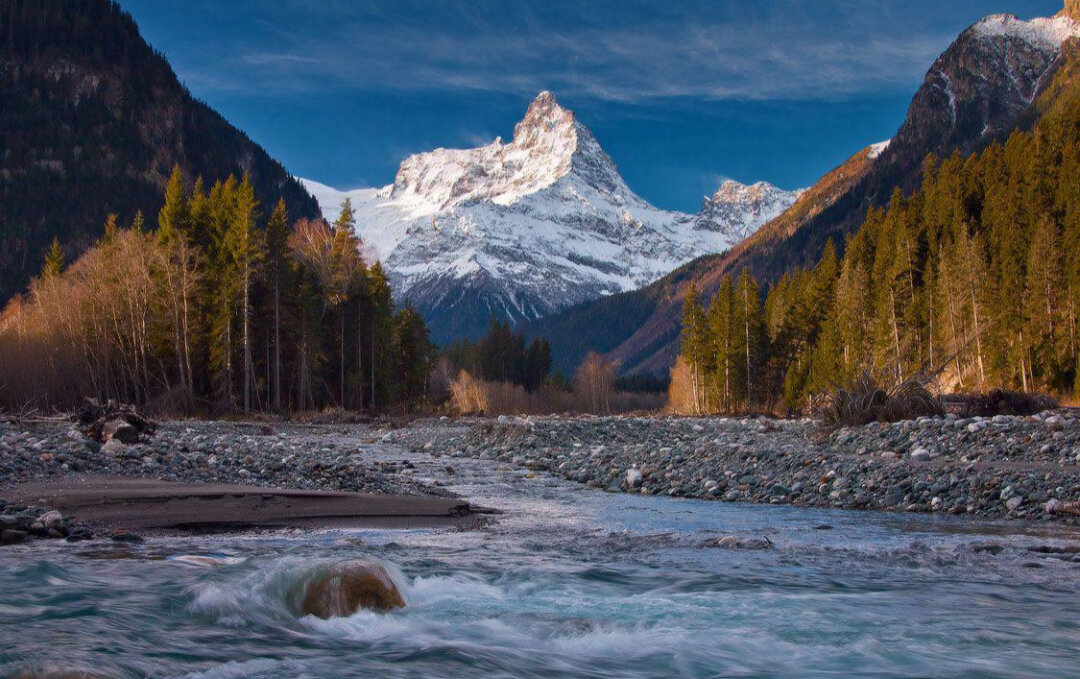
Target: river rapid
{"x":568,"y":582}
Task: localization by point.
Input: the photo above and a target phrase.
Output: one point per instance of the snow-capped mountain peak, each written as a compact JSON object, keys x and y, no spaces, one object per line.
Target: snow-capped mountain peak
{"x":525,"y":228}
{"x":549,"y":143}
{"x":738,"y":209}
{"x":1046,"y":33}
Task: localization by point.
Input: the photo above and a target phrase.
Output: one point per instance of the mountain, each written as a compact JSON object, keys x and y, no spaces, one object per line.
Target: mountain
{"x":93,"y":121}
{"x":980,"y":89}
{"x":638,"y":328}
{"x":737,"y":210}
{"x":523,"y":229}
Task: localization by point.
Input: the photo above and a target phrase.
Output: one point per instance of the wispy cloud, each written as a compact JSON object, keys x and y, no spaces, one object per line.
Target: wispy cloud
{"x":615,"y":51}
{"x":268,"y":59}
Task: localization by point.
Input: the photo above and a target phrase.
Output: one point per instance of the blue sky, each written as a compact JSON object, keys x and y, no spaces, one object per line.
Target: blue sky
{"x":681,"y":94}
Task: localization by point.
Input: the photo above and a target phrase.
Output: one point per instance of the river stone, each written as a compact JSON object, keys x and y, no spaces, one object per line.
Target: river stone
{"x":121,"y":431}
{"x":114,"y":447}
{"x":1014,"y":503}
{"x":52,"y":519}
{"x":634,"y":478}
{"x":12,"y":537}
{"x":349,"y":586}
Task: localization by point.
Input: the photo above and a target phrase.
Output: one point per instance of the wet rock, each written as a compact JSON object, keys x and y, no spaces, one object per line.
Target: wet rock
{"x":11,"y":536}
{"x":345,"y":588}
{"x":920,"y":455}
{"x":733,"y":542}
{"x":121,"y":431}
{"x":779,"y":489}
{"x":51,"y":519}
{"x":114,"y":448}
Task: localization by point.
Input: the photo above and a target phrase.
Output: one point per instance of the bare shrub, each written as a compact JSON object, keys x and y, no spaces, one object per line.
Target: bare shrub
{"x":88,"y":331}
{"x":866,"y":401}
{"x":637,"y":402}
{"x":681,"y":390}
{"x":505,"y":398}
{"x":467,"y":395}
{"x":594,"y":384}
{"x":998,"y":402}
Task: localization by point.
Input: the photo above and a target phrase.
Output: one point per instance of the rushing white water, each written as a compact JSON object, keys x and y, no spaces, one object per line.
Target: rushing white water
{"x":569,"y":583}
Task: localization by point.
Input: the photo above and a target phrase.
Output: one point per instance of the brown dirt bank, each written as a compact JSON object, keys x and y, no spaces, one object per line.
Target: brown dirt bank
{"x":150,"y":505}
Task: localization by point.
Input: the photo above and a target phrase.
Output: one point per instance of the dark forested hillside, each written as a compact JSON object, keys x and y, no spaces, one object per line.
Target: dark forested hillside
{"x":92,"y":122}
{"x":973,"y":279}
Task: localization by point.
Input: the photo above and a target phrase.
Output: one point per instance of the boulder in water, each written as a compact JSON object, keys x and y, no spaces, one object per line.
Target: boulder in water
{"x":345,"y":588}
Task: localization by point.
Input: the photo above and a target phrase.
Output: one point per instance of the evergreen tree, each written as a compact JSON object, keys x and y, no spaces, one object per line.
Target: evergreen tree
{"x":382,"y":310}
{"x":179,"y":268}
{"x":54,"y":261}
{"x":412,"y":354}
{"x":112,"y":228}
{"x":723,"y":374}
{"x":537,"y":364}
{"x":244,"y":243}
{"x":695,"y":342}
{"x":750,"y":329}
{"x":345,"y":276}
{"x":1047,"y":344}
{"x":277,"y":237}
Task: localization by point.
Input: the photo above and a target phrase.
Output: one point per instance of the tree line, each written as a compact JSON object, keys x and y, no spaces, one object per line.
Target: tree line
{"x":974,"y":280}
{"x":502,"y":355}
{"x":220,"y":308}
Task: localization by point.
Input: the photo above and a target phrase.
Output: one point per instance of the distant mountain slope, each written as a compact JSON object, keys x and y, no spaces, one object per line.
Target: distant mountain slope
{"x":638,"y":327}
{"x":522,"y":229}
{"x":980,"y":89}
{"x":92,"y":122}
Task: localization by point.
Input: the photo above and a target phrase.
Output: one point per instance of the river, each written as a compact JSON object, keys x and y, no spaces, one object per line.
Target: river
{"x":567,"y":583}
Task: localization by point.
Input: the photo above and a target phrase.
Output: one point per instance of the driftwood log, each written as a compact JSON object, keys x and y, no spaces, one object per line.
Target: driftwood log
{"x":112,"y":420}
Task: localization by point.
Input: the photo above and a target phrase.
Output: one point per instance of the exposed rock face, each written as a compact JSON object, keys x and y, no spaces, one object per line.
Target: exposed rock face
{"x":522,"y":229}
{"x":1072,"y":9}
{"x":977,"y":89}
{"x":347,"y":587}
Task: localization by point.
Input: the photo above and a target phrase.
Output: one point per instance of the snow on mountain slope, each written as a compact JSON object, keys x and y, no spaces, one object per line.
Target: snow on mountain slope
{"x":1047,"y":33}
{"x":525,"y":228}
{"x":737,"y":210}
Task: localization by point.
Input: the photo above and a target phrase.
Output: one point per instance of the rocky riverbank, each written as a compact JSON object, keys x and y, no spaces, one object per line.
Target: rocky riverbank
{"x":1015,"y":467}
{"x":295,"y":456}
{"x":289,"y":456}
